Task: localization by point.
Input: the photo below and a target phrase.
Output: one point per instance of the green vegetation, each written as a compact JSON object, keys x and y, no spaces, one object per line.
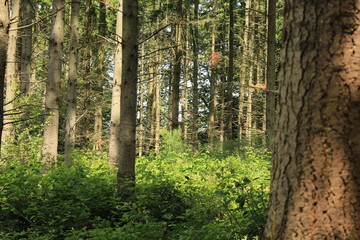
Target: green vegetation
{"x":178,"y":196}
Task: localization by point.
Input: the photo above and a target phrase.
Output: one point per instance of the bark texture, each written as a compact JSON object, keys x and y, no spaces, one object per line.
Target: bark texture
{"x":26,"y":46}
{"x":270,"y":73}
{"x":315,"y":191}
{"x":114,"y":144}
{"x":126,"y":173}
{"x":4,"y":37}
{"x":12,"y":75}
{"x":72,"y":82}
{"x":53,"y":82}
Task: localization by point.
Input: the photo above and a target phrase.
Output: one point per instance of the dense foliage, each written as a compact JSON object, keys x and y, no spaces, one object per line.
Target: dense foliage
{"x":178,"y":196}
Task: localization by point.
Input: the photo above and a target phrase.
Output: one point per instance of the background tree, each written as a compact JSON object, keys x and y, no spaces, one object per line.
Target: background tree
{"x":315,"y":176}
{"x":4,"y":22}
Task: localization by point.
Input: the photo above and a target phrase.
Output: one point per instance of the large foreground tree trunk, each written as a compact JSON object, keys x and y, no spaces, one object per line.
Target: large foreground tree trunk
{"x":127,"y":154}
{"x":315,"y":191}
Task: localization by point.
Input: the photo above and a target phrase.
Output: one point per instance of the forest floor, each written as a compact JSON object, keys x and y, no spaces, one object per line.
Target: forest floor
{"x":182,"y":195}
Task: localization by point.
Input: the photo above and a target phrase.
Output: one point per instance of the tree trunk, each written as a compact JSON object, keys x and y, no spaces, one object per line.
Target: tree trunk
{"x":126,"y":172}
{"x":244,"y":71}
{"x":195,"y":90}
{"x":72,"y":81}
{"x":230,"y":79}
{"x":270,"y":73}
{"x":100,"y":72}
{"x":114,"y":144}
{"x":315,"y":190}
{"x":175,"y":93}
{"x":213,"y":83}
{"x":4,"y":23}
{"x":12,"y":76}
{"x":141,"y":133}
{"x":52,"y":106}
{"x":26,"y":47}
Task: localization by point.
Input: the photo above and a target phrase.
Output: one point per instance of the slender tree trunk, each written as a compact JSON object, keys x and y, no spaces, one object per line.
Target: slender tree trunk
{"x":157,"y":104}
{"x":251,"y":66}
{"x":244,"y":70}
{"x":195,"y":90}
{"x":114,"y":144}
{"x":4,"y":23}
{"x":315,"y":189}
{"x":141,"y":112}
{"x":213,"y":83}
{"x":72,"y":81}
{"x":26,"y":48}
{"x":98,"y":123}
{"x":88,"y":75}
{"x":230,"y":79}
{"x":126,"y":173}
{"x":185,"y":96}
{"x":270,"y":73}
{"x":52,"y":105}
{"x":12,"y":74}
{"x":175,"y":93}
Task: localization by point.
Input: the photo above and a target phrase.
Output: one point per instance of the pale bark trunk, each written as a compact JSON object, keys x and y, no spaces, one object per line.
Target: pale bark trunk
{"x":4,"y":22}
{"x":157,"y":105}
{"x":184,"y":97}
{"x":229,"y":87}
{"x":213,"y":83}
{"x":72,"y":81}
{"x":114,"y":144}
{"x":315,"y":189}
{"x":141,"y":112}
{"x":251,"y":66}
{"x":126,"y":172}
{"x":12,"y":76}
{"x":244,"y":71}
{"x":52,"y":106}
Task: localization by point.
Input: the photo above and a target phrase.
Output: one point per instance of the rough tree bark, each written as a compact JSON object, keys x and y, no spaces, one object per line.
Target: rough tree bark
{"x":315,"y":190}
{"x":12,"y":74}
{"x":52,"y":105}
{"x":100,"y":71}
{"x":72,"y":81}
{"x":4,"y":37}
{"x":270,"y":73}
{"x":127,"y":153}
{"x":175,"y":93}
{"x":26,"y":46}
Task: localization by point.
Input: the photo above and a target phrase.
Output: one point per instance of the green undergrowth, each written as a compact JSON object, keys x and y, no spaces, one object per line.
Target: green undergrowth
{"x":177,"y":196}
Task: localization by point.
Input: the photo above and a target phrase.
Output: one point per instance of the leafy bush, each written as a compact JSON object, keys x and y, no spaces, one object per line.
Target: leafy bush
{"x":178,"y":196}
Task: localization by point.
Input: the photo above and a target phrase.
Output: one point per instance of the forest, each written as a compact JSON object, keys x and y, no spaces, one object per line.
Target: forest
{"x":179,"y":119}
